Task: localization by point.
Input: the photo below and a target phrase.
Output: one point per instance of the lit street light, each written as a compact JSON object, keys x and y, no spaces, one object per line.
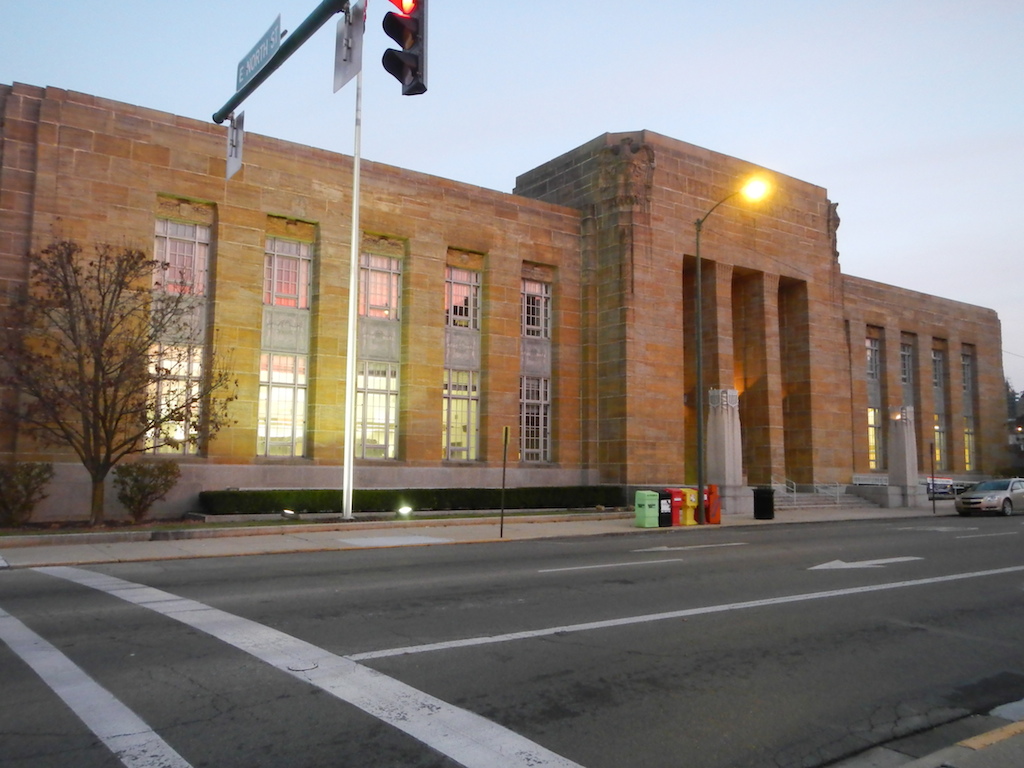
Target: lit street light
{"x":755,"y":189}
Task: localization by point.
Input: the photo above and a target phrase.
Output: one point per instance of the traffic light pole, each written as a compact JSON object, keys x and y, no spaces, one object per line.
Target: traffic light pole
{"x":411,"y":34}
{"x":288,"y":46}
{"x":348,"y":447}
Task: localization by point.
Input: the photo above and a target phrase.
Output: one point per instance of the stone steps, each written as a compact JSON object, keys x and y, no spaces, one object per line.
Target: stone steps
{"x":804,"y":500}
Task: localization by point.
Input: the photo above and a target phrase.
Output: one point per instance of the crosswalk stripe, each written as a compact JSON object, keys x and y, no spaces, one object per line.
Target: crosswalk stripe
{"x":465,"y":737}
{"x":133,"y":742}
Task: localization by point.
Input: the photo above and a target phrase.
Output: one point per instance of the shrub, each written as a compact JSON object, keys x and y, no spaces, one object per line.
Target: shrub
{"x":273,"y":500}
{"x":141,"y":484}
{"x":21,"y":488}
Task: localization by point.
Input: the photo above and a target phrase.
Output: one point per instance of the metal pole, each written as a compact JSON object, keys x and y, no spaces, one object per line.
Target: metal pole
{"x":699,"y":325}
{"x":348,"y":451}
{"x":288,"y":46}
{"x":504,"y":464}
{"x":931,"y":449}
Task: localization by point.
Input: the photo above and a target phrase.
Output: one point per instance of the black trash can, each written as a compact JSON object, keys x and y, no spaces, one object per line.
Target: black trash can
{"x":764,"y":503}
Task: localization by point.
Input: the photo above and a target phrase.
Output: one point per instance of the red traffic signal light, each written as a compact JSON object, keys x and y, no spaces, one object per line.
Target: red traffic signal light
{"x":409,"y":30}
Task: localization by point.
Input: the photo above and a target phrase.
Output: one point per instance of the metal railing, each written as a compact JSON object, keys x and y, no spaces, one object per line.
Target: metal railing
{"x":832,"y":490}
{"x":784,"y":487}
{"x":789,"y":490}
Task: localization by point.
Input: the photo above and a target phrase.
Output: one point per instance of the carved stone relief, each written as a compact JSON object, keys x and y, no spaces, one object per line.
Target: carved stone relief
{"x":379,"y":339}
{"x":286,"y":330}
{"x":462,"y":349}
{"x":535,"y":357}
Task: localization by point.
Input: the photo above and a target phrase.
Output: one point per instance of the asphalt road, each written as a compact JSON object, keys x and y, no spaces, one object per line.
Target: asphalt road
{"x":719,"y":648}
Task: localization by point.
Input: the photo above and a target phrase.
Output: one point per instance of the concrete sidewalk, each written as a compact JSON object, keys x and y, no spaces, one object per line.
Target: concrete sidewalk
{"x":996,"y":741}
{"x":31,"y":551}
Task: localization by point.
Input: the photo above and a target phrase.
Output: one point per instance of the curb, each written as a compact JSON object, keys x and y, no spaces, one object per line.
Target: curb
{"x":968,"y":748}
{"x":115,"y":537}
{"x":968,"y":752}
{"x":993,"y":737}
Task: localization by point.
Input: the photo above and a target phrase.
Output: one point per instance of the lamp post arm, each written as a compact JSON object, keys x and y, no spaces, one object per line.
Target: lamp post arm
{"x":700,"y":222}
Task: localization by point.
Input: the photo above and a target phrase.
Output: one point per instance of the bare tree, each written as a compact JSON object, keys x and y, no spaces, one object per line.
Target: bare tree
{"x":109,"y":355}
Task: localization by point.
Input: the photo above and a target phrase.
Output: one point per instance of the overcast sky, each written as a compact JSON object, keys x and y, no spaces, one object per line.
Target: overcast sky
{"x":909,"y":112}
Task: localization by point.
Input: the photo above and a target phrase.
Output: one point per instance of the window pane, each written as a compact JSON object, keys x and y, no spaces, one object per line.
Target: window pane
{"x":175,"y":393}
{"x":906,"y":364}
{"x":182,"y":250}
{"x":876,"y":457}
{"x":873,"y":358}
{"x":376,"y":410}
{"x":379,"y":286}
{"x":534,"y":419}
{"x":286,"y":277}
{"x":461,"y":415}
{"x":536,"y":309}
{"x":969,"y":444}
{"x":282,"y":405}
{"x":462,"y":298}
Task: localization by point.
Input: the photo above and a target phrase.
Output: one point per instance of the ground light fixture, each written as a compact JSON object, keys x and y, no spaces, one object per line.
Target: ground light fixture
{"x":754,"y":189}
{"x":404,"y":512}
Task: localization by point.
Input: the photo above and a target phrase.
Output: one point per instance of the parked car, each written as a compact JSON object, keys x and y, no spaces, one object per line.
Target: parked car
{"x":999,"y":496}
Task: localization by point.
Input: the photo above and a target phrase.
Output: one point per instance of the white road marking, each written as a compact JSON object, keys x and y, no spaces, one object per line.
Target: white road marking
{"x":840,"y":564}
{"x":466,"y":738}
{"x":394,"y":541}
{"x":608,"y":565}
{"x":987,"y":535}
{"x":133,"y":742}
{"x":669,"y":615}
{"x":938,"y":528}
{"x":692,"y":546}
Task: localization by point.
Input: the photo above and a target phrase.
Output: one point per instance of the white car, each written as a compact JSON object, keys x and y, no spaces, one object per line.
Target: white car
{"x":999,"y":496}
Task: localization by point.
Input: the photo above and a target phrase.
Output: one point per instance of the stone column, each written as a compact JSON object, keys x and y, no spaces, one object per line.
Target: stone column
{"x":725,"y":452}
{"x":904,"y":489}
{"x":719,"y":365}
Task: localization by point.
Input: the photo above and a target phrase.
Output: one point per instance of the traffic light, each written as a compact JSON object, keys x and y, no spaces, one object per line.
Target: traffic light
{"x":408,"y":28}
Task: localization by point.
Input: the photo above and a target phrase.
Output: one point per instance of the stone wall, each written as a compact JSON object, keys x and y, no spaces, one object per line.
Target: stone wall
{"x":898,"y":316}
{"x":81,"y":167}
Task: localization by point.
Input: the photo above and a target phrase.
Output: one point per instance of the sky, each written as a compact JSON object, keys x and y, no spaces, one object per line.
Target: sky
{"x":909,"y":112}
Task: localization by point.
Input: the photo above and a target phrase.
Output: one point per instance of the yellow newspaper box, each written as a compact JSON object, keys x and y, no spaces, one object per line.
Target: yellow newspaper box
{"x":689,"y":516}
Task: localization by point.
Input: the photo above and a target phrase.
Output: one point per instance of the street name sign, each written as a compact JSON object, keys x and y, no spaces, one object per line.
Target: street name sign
{"x":260,"y":54}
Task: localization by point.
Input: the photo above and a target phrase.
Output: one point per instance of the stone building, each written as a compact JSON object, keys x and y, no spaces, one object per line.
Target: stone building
{"x":563,"y":311}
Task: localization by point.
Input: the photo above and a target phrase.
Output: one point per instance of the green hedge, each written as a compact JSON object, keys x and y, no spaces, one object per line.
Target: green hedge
{"x":270,"y":501}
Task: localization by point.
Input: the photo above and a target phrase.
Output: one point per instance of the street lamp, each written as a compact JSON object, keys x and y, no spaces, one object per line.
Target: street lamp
{"x":753,"y":190}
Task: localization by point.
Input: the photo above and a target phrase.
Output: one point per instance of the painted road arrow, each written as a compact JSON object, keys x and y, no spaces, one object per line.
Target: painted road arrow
{"x":836,"y":564}
{"x":692,"y":546}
